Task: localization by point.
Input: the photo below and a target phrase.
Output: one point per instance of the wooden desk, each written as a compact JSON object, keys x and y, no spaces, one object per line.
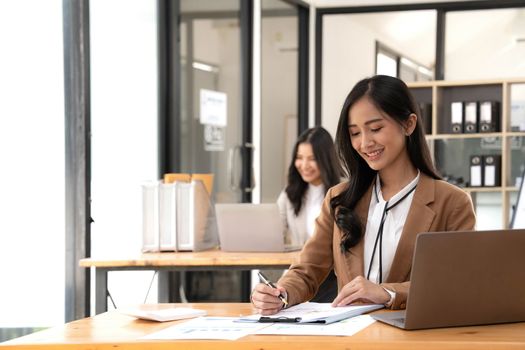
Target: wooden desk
{"x":114,"y":331}
{"x":181,"y":261}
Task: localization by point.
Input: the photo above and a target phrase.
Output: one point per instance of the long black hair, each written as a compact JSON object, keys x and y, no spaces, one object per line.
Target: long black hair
{"x":390,"y":95}
{"x":327,"y":161}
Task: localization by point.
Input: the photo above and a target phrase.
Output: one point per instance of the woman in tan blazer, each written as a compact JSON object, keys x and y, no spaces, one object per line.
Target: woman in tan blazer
{"x":367,"y":227}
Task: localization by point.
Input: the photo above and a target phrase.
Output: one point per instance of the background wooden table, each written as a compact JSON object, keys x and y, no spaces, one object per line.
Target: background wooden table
{"x":164,"y":263}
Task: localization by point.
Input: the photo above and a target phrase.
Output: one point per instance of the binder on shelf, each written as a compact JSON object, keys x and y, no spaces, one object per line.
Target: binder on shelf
{"x":150,"y":216}
{"x":492,"y":170}
{"x":456,"y":117}
{"x":489,"y":120}
{"x":471,"y":117}
{"x":168,"y":216}
{"x":476,"y":171}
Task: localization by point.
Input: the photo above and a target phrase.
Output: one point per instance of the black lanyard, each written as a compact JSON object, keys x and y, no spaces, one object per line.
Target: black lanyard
{"x":379,"y":236}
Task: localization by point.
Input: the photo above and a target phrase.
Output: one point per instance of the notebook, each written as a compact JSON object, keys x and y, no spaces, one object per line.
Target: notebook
{"x":464,"y":278}
{"x":246,"y":227}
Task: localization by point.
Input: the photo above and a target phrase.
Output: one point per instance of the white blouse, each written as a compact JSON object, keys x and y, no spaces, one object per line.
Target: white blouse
{"x":392,"y":229}
{"x":301,"y":227}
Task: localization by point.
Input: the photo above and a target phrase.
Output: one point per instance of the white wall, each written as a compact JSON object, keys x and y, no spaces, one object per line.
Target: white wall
{"x":481,"y":44}
{"x":32,"y":208}
{"x":348,"y":56}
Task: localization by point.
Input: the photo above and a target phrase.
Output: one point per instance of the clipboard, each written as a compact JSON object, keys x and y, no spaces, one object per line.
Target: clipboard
{"x":313,"y":313}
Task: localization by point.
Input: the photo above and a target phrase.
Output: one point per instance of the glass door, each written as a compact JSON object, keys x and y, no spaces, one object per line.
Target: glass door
{"x":211,"y":121}
{"x":213,"y":125}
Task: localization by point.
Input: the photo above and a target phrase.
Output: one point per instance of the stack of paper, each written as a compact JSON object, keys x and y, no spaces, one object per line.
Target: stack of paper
{"x":163,"y":315}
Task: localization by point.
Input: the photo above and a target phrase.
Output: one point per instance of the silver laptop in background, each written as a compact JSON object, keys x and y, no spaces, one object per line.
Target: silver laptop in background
{"x":464,"y":279}
{"x":246,"y":227}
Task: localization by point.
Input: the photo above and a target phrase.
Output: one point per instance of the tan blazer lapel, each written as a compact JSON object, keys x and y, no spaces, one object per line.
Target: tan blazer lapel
{"x":355,"y":258}
{"x":419,"y":219}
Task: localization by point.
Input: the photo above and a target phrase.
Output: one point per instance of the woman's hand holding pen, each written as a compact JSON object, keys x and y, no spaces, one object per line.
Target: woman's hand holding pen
{"x":266,"y":299}
{"x":361,"y":290}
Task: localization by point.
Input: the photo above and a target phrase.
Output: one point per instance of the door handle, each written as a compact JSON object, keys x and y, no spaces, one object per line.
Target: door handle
{"x":249,"y":147}
{"x":235,"y":178}
{"x":233,"y":168}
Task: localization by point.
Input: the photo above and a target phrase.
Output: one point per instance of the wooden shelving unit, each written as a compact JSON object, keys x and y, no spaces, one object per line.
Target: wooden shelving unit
{"x":440,"y":94}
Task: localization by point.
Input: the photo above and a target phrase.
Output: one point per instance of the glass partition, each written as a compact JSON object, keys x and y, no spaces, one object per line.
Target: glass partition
{"x":210,"y":54}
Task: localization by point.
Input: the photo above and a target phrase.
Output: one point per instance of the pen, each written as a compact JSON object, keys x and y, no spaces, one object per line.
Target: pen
{"x":270,"y":284}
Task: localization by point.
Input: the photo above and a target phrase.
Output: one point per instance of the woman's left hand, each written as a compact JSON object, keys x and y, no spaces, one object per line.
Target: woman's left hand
{"x":361,"y":290}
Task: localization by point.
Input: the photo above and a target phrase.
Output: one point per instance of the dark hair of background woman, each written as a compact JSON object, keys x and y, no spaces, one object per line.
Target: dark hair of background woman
{"x":324,"y":152}
{"x":391,"y":96}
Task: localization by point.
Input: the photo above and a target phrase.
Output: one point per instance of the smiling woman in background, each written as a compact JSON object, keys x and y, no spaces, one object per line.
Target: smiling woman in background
{"x":313,"y":170}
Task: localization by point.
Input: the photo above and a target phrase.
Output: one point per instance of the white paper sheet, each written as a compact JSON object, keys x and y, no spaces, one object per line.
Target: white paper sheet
{"x":346,"y":327}
{"x":208,"y":328}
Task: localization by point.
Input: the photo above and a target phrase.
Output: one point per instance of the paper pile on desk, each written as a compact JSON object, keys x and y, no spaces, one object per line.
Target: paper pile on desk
{"x":163,"y":315}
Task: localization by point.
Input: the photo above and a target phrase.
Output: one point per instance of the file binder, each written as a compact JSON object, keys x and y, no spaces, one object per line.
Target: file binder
{"x":489,"y":118}
{"x":207,"y":180}
{"x":150,"y":217}
{"x":456,"y":117}
{"x":168,"y":216}
{"x":179,"y":214}
{"x":196,"y":224}
{"x":492,"y":170}
{"x":476,"y":171}
{"x":471,"y":117}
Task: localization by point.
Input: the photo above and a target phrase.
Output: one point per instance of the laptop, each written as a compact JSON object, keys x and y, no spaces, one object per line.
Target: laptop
{"x":464,"y":279}
{"x":246,"y":227}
